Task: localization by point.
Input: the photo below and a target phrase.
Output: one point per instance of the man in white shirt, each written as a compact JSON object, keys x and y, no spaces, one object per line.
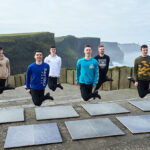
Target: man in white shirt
{"x":54,"y":62}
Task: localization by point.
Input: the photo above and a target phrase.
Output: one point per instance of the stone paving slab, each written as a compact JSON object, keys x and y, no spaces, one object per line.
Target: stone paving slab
{"x":27,"y":135}
{"x":56,"y":112}
{"x":104,"y":109}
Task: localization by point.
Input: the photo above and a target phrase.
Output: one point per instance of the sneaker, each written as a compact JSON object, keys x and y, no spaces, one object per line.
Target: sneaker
{"x":109,"y":79}
{"x":131,"y":79}
{"x":96,"y":95}
{"x":47,"y":96}
{"x":8,"y":87}
{"x":60,"y":86}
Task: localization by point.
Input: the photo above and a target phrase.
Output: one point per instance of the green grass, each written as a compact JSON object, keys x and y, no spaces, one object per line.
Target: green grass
{"x":61,"y":38}
{"x":21,"y":34}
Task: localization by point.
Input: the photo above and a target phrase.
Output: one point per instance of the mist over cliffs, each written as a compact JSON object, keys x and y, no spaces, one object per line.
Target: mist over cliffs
{"x":19,"y":48}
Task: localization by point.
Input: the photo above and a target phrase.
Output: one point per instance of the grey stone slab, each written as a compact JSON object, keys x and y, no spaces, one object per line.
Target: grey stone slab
{"x":11,"y":115}
{"x":143,"y":105}
{"x":136,"y":124}
{"x":37,"y":134}
{"x":104,"y":109}
{"x":92,"y":128}
{"x":55,"y":112}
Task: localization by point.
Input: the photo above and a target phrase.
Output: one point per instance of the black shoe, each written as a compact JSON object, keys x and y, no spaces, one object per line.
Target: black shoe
{"x":131,"y":79}
{"x":60,"y":86}
{"x":47,"y":96}
{"x":96,"y":95}
{"x":8,"y":87}
{"x":109,"y":79}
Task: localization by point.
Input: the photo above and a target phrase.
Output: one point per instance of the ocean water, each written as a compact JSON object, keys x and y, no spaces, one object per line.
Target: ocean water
{"x":128,"y":60}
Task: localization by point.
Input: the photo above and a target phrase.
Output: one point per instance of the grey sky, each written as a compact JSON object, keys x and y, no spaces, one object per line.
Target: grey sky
{"x":111,"y":20}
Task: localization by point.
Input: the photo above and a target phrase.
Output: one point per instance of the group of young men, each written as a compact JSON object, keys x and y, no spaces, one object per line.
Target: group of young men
{"x":91,"y":73}
{"x":40,"y":73}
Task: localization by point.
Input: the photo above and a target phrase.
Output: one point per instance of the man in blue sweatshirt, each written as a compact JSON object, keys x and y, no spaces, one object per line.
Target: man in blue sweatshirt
{"x":87,"y":75}
{"x":37,"y":78}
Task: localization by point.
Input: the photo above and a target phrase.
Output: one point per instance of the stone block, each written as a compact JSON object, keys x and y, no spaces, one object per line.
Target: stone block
{"x":63,"y":76}
{"x":125,"y":72}
{"x":108,"y":85}
{"x":70,"y":76}
{"x":11,"y":81}
{"x":17,"y":80}
{"x":115,"y":77}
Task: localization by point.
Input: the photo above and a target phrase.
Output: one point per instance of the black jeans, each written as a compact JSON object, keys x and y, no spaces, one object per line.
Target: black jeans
{"x":37,"y":96}
{"x":52,"y":83}
{"x":86,"y":91}
{"x":143,"y":88}
{"x":101,"y":81}
{"x":2,"y":85}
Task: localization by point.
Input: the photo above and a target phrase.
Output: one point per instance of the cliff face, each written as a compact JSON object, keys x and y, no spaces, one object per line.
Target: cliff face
{"x":71,"y":48}
{"x":129,"y":48}
{"x":19,"y":48}
{"x":112,"y":49}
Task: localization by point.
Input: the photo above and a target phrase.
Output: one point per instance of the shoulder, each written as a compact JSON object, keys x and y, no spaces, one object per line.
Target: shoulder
{"x":58,"y":57}
{"x":31,"y":65}
{"x":45,"y":64}
{"x":6,"y":59}
{"x":106,"y":56}
{"x":94,"y":60}
{"x":138,"y":58}
{"x":47,"y":57}
{"x":96,"y":57}
{"x":80,"y":60}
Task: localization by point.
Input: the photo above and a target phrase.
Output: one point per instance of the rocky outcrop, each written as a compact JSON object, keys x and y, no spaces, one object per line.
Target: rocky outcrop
{"x":70,"y":48}
{"x":129,"y":47}
{"x":112,"y":49}
{"x":19,"y":48}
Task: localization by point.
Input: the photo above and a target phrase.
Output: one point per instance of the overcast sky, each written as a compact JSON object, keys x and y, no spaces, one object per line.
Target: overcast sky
{"x":121,"y":21}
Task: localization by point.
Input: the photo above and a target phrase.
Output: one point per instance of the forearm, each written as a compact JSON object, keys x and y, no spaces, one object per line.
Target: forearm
{"x":135,"y":71}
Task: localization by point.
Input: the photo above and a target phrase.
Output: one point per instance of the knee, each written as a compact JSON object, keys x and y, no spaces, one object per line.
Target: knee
{"x":37,"y":103}
{"x":52,"y":88}
{"x":1,"y":91}
{"x":141,"y":95}
{"x":85,"y":98}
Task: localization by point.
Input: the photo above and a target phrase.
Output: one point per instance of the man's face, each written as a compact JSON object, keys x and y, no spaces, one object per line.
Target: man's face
{"x":38,"y":56}
{"x":87,"y":51}
{"x":53,"y":51}
{"x":1,"y":52}
{"x":101,"y":50}
{"x":144,"y":51}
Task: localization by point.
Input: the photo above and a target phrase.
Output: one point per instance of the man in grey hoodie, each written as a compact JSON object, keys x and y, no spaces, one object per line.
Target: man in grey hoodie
{"x":4,"y":71}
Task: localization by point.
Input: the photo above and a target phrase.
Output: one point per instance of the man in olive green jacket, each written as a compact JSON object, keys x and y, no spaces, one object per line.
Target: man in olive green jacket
{"x":142,"y":72}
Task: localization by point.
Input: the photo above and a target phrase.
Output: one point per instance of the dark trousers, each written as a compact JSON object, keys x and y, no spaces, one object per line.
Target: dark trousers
{"x":100,"y":82}
{"x":52,"y":83}
{"x":2,"y":85}
{"x":143,"y":88}
{"x":86,"y":91}
{"x":37,"y":96}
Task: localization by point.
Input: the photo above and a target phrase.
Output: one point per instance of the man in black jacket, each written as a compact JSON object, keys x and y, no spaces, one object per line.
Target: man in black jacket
{"x":103,"y":61}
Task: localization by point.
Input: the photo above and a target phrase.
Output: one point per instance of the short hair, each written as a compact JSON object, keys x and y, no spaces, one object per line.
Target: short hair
{"x":36,"y":51}
{"x":87,"y":46}
{"x":144,"y":46}
{"x":53,"y":46}
{"x":100,"y":46}
{"x":1,"y":48}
